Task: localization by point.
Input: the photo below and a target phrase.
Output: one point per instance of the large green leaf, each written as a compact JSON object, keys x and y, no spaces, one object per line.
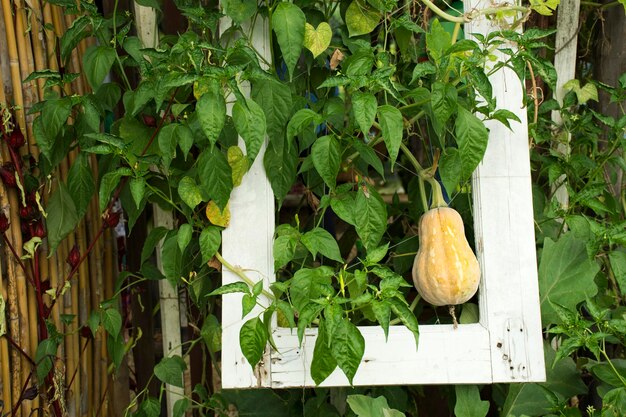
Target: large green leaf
{"x":170,"y":370}
{"x":62,"y":217}
{"x":215,"y":176}
{"x":565,"y":275}
{"x":281,"y":167}
{"x":54,"y":115}
{"x":319,"y":240}
{"x":253,"y":337}
{"x":288,"y":23}
{"x":450,"y":169}
{"x":438,"y":40}
{"x":468,"y":402}
{"x":97,"y":63}
{"x":323,"y":363}
{"x":361,"y":19}
{"x":562,"y":379}
{"x":443,"y":103}
{"x":471,"y":137}
{"x":189,"y":192}
{"x":370,"y":217}
{"x":274,"y":98}
{"x":73,"y":35}
{"x":347,"y":347}
{"x":172,"y":259}
{"x":80,"y":184}
{"x":618,"y":265}
{"x":239,"y":10}
{"x":211,"y":111}
{"x":326,"y":155}
{"x":210,"y":241}
{"x":249,"y":121}
{"x":112,"y":321}
{"x":306,"y":285}
{"x":391,"y":123}
{"x":364,"y":109}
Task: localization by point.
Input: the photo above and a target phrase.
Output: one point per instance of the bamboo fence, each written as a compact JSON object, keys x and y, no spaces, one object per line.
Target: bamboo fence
{"x":29,"y":42}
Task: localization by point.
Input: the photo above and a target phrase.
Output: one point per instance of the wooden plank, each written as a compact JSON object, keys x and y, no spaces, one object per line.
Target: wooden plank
{"x":444,"y":356}
{"x":148,"y":32}
{"x":247,"y":242}
{"x":504,"y":230}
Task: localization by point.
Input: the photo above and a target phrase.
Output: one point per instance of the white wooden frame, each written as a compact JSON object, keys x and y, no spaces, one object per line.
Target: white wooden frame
{"x":505,"y":346}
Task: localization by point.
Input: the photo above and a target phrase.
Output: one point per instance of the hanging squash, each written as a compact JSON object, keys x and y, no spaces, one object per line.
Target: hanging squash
{"x":445,"y":271}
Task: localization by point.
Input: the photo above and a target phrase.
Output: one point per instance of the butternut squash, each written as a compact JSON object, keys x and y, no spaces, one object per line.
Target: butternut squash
{"x":445,"y":270}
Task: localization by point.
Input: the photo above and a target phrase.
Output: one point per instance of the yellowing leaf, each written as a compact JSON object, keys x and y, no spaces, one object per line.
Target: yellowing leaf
{"x":544,"y":7}
{"x":583,"y":94}
{"x":238,"y":163}
{"x":317,"y":40}
{"x":361,"y":19}
{"x":216,"y":216}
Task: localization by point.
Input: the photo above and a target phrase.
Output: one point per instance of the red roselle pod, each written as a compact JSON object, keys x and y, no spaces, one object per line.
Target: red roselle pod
{"x":16,"y":139}
{"x":4,"y":222}
{"x":37,"y":230}
{"x":25,"y":231}
{"x":7,"y":173}
{"x":73,"y":258}
{"x":85,"y":332}
{"x":27,"y":212}
{"x":111,"y":219}
{"x":149,"y":120}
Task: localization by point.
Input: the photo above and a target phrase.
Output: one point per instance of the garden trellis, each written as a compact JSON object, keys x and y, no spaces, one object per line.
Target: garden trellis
{"x":504,"y":346}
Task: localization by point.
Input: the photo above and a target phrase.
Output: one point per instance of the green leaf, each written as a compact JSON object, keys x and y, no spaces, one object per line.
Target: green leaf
{"x":566,"y":275}
{"x":326,"y":155}
{"x":80,"y":184}
{"x":364,"y":109}
{"x":215,"y":176}
{"x":184,"y":236}
{"x":97,"y":63}
{"x":180,"y":406}
{"x":62,"y":217}
{"x":406,"y":316}
{"x":239,"y":10}
{"x":280,"y":164}
{"x":365,"y":406}
{"x":247,"y":304}
{"x":170,"y":370}
{"x":189,"y":192}
{"x":211,"y":333}
{"x":370,"y":216}
{"x":343,"y":204}
{"x":443,"y":102}
{"x":54,"y":115}
{"x":438,"y":40}
{"x":376,"y":255}
{"x":233,"y":287}
{"x":544,"y":7}
{"x":167,"y":141}
{"x":171,"y":258}
{"x":274,"y":98}
{"x":301,"y":120}
{"x":392,"y":127}
{"x":422,"y":69}
{"x":471,"y":137}
{"x":211,"y":111}
{"x":253,"y":337}
{"x":319,"y":240}
{"x":153,"y":238}
{"x":44,"y":357}
{"x":468,"y":402}
{"x":284,"y":250}
{"x":368,"y":155}
{"x":137,"y":190}
{"x":382,"y":312}
{"x":249,"y":121}
{"x":288,"y":22}
{"x":73,"y":35}
{"x":112,"y":321}
{"x":323,"y":363}
{"x":306,"y":285}
{"x":618,"y":265}
{"x":317,"y":40}
{"x":109,"y":183}
{"x":210,"y":241}
{"x":361,"y":19}
{"x":348,"y":346}
{"x":450,"y":169}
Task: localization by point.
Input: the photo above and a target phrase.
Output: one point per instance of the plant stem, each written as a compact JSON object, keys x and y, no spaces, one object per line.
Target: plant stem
{"x":444,"y":15}
{"x":239,"y":272}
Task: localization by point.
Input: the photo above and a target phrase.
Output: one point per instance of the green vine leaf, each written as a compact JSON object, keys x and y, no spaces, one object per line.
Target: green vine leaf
{"x":392,"y":127}
{"x":364,"y":108}
{"x":170,"y":370}
{"x":317,"y":40}
{"x":97,"y":63}
{"x":249,"y":121}
{"x":319,"y":240}
{"x":239,"y":10}
{"x":323,"y":363}
{"x":210,"y":241}
{"x":211,"y":111}
{"x":361,"y":19}
{"x":62,"y":217}
{"x":216,"y":180}
{"x":370,"y":216}
{"x":288,"y":22}
{"x":471,"y":137}
{"x":468,"y":402}
{"x":80,"y":184}
{"x":326,"y":154}
{"x":253,"y":337}
{"x":189,"y":192}
{"x":348,"y":347}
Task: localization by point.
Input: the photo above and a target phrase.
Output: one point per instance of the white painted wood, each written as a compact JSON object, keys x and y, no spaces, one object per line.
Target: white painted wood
{"x":565,"y":65}
{"x":247,"y":242}
{"x":147,"y":31}
{"x":506,"y":346}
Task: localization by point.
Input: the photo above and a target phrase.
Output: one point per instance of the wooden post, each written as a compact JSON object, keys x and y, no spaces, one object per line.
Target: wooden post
{"x":565,"y":65}
{"x":145,"y":18}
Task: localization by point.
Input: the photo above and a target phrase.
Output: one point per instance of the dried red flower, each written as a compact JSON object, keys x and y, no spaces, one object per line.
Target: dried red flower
{"x":7,"y":173}
{"x":16,"y":139}
{"x":4,"y":222}
{"x":73,"y":258}
{"x":111,"y":219}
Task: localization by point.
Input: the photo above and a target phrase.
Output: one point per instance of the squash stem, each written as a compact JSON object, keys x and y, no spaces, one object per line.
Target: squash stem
{"x":455,"y":323}
{"x":438,"y":200}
